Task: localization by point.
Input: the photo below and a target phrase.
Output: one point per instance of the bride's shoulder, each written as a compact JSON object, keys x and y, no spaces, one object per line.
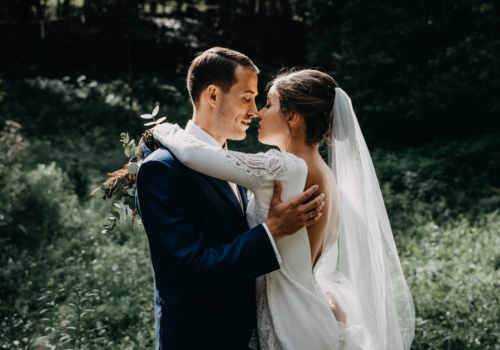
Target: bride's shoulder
{"x":295,"y":161}
{"x":285,"y":163}
{"x":166,"y":128}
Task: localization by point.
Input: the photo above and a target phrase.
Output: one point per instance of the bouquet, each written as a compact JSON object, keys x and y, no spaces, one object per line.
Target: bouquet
{"x":121,"y":186}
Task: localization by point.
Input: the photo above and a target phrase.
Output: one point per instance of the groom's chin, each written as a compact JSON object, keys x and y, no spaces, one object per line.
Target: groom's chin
{"x":239,"y":136}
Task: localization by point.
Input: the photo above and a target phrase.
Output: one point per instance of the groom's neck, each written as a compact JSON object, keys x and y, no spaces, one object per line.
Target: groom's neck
{"x":205,"y":123}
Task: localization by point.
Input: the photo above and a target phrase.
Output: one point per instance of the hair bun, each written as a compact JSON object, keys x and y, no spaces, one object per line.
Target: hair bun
{"x":311,"y":94}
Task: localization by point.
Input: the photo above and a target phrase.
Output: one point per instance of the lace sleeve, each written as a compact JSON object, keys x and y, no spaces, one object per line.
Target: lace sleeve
{"x":248,"y":170}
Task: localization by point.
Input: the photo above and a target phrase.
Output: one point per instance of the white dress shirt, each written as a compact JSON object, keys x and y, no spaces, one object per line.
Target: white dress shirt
{"x":202,"y":135}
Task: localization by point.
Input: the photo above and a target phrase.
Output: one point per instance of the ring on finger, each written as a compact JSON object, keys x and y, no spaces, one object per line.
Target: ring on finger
{"x":311,"y":215}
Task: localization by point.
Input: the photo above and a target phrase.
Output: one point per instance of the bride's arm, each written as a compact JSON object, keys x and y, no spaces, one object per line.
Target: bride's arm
{"x":247,"y":170}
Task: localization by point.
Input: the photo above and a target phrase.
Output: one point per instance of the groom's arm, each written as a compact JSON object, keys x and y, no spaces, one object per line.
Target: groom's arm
{"x":168,"y":214}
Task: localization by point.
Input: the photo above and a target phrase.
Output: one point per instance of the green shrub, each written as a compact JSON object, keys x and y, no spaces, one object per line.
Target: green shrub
{"x":106,"y":277}
{"x":37,"y":206}
{"x":78,"y":124}
{"x":440,"y":181}
{"x":454,"y":274}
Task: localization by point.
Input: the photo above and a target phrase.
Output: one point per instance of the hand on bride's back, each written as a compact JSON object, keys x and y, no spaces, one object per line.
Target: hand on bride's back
{"x":286,"y":218}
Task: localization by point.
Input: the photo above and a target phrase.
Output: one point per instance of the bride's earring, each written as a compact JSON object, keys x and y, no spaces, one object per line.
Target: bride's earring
{"x":288,"y":131}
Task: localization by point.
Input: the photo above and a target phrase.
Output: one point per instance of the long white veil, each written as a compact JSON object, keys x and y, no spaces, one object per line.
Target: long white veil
{"x":360,"y":265}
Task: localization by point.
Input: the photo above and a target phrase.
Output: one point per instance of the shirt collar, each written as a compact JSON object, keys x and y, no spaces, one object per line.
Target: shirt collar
{"x":202,"y":135}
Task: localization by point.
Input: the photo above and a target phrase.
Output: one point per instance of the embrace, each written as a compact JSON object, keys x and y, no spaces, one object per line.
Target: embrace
{"x":275,"y":250}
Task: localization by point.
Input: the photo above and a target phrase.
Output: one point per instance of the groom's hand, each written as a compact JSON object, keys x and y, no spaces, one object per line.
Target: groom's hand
{"x":286,"y":218}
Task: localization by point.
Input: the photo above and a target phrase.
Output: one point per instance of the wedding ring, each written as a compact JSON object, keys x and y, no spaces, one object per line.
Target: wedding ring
{"x":311,"y":215}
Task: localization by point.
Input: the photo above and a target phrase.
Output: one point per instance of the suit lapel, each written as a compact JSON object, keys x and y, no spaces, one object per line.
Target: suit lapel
{"x":222,"y":186}
{"x":226,"y":190}
{"x":244,"y":199}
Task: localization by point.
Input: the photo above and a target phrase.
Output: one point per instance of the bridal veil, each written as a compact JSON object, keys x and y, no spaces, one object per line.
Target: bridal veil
{"x":360,"y":265}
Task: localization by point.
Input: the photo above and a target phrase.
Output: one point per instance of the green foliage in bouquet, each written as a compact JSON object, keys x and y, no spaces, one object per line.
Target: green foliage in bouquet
{"x":149,"y":140}
{"x":121,"y":185}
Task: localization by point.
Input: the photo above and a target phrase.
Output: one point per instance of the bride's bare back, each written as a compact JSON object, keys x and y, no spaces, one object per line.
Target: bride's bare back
{"x":320,"y":174}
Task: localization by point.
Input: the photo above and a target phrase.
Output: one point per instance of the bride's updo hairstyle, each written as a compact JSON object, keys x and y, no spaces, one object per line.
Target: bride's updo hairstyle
{"x":311,"y":94}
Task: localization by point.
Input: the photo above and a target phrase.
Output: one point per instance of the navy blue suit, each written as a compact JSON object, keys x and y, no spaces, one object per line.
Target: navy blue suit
{"x":205,"y":259}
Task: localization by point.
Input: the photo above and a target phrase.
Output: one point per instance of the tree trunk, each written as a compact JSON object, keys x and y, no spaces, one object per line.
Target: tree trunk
{"x":126,"y":9}
{"x":262,"y":7}
{"x":286,"y":9}
{"x":251,"y":6}
{"x":66,"y":7}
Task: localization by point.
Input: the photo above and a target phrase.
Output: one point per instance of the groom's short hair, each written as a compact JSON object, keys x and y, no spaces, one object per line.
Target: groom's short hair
{"x":215,"y":66}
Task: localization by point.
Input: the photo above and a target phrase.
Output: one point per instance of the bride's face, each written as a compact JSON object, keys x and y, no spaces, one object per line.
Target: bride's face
{"x":273,"y":129}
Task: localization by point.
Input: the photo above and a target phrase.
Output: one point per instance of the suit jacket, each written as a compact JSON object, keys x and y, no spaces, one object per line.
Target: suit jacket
{"x":205,"y":259}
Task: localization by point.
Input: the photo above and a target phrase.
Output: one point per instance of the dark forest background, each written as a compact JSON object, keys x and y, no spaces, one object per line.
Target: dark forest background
{"x":424,"y":78}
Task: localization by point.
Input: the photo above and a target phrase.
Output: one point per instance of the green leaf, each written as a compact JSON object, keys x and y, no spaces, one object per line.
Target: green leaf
{"x":127,"y":152}
{"x":127,"y":138}
{"x":146,"y":116}
{"x":150,"y":123}
{"x":126,"y":200}
{"x":131,"y":205}
{"x":131,"y":192}
{"x":155,"y":111}
{"x":115,"y":213}
{"x":132,"y":168}
{"x":126,"y":213}
{"x":118,"y":194}
{"x":120,"y":206}
{"x":106,"y":223}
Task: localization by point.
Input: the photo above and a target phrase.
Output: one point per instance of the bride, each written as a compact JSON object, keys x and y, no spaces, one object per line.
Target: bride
{"x":340,"y":285}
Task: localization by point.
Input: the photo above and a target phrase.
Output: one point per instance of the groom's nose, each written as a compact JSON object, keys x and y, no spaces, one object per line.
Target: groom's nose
{"x":253,"y":109}
{"x":257,"y":115}
{"x":254,"y":112}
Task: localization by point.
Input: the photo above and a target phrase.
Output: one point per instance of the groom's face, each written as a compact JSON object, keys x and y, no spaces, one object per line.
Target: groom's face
{"x":237,"y":107}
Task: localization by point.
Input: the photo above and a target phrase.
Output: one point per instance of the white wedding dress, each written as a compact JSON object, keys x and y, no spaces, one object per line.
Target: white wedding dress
{"x":292,"y":311}
{"x":359,"y":265}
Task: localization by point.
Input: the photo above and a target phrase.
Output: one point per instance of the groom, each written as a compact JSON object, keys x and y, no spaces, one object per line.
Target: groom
{"x":205,"y":258}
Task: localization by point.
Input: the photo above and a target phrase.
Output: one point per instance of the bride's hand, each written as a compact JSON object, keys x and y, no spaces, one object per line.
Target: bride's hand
{"x":336,"y":309}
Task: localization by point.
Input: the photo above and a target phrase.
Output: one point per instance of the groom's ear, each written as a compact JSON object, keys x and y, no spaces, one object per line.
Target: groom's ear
{"x":213,"y":95}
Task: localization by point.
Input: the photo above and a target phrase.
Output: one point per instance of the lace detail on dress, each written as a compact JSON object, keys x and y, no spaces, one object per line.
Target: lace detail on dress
{"x":259,"y":212}
{"x":268,"y":337}
{"x":250,"y":194}
{"x":166,"y":129}
{"x":266,"y":165}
